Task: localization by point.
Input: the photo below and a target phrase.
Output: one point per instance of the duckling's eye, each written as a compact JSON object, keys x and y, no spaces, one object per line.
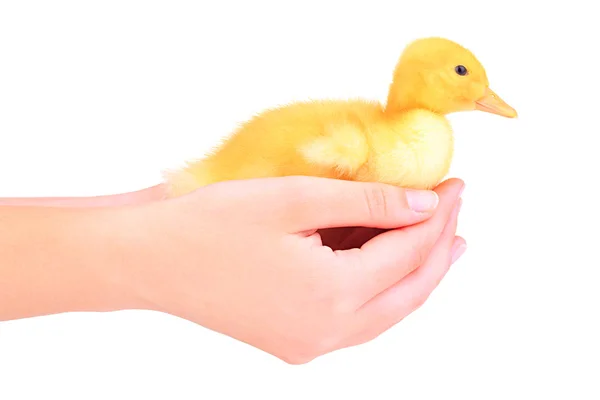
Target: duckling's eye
{"x":461,"y":70}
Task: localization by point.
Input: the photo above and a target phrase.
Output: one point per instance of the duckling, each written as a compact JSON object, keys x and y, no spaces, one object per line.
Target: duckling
{"x":407,"y":142}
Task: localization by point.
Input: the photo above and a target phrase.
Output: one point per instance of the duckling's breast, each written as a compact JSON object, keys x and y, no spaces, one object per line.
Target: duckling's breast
{"x":411,"y":150}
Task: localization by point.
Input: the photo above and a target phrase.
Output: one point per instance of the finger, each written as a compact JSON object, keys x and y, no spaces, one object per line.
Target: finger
{"x":319,"y":203}
{"x":458,"y":248}
{"x":395,"y":303}
{"x":387,"y":258}
{"x":301,"y":204}
{"x":369,"y":329}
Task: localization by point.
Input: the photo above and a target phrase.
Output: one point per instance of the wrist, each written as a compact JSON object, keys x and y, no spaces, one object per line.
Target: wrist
{"x":113,"y":256}
{"x":152,"y":263}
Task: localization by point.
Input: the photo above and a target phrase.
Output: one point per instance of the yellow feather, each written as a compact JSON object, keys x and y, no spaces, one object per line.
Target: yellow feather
{"x":408,"y":142}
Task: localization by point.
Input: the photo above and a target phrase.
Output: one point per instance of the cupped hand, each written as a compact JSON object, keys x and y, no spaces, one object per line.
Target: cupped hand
{"x":247,"y":259}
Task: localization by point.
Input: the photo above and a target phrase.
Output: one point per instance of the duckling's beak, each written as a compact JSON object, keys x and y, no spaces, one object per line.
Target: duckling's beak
{"x":492,"y":103}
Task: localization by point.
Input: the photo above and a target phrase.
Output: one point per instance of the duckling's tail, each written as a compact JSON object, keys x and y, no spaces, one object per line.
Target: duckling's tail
{"x":185,"y":180}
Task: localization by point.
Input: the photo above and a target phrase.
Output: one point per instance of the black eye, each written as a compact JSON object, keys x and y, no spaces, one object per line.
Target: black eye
{"x":461,"y":70}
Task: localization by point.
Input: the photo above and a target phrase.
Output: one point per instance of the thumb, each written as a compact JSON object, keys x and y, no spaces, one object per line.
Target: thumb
{"x":320,"y":203}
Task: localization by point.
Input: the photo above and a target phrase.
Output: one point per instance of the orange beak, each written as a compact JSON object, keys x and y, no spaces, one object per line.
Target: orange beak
{"x":492,"y":103}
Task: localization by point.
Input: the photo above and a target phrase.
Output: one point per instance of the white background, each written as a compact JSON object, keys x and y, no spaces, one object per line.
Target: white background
{"x":99,"y":97}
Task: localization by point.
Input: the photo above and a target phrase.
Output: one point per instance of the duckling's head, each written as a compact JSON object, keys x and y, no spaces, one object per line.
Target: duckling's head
{"x":440,"y":75}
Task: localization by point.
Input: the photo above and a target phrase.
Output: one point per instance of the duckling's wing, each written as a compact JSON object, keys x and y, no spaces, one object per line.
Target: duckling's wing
{"x":343,"y":147}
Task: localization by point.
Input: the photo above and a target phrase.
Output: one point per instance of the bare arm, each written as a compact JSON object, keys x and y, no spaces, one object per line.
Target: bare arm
{"x":140,"y":196}
{"x":55,"y":260}
{"x":262,"y":276}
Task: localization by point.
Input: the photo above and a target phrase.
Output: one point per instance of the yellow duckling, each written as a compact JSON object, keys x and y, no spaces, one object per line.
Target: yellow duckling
{"x":408,"y":142}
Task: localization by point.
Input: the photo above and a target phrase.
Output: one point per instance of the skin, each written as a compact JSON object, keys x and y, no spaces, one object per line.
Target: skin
{"x":140,"y":196}
{"x":285,"y":272}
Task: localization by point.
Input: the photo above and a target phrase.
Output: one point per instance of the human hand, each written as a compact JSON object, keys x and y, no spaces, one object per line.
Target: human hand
{"x":246,"y":259}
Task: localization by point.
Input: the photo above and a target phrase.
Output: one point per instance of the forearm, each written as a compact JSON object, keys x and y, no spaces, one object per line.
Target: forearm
{"x":141,"y":196}
{"x":57,"y":260}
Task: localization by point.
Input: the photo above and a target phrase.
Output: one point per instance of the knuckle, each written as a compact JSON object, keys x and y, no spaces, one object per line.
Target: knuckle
{"x":418,"y":255}
{"x":418,"y":301}
{"x":377,"y":201}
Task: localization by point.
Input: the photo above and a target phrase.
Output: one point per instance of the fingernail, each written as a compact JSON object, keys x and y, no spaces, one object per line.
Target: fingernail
{"x":421,"y":200}
{"x":459,"y":251}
